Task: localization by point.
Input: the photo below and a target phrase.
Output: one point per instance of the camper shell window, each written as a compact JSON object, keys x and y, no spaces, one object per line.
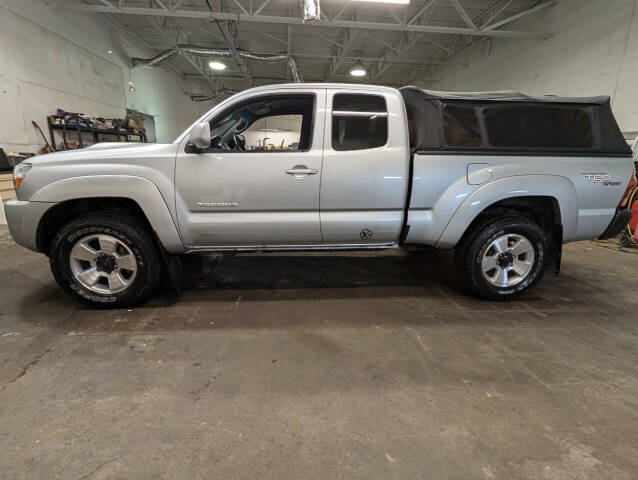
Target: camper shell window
{"x":511,"y":122}
{"x":539,"y":126}
{"x":461,"y":126}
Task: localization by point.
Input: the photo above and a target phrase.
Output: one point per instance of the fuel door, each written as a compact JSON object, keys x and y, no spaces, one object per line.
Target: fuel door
{"x":479,"y":173}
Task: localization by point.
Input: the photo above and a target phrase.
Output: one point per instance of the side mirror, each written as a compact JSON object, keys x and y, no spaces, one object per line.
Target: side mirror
{"x":200,"y":136}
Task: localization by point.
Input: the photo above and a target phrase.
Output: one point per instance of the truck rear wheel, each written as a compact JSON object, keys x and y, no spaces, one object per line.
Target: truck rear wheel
{"x":106,"y":260}
{"x":505,"y":259}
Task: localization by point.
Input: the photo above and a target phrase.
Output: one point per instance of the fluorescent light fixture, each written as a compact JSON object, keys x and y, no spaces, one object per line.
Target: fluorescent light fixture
{"x":358,"y":70}
{"x":110,"y":52}
{"x":215,"y":65}
{"x":401,"y":2}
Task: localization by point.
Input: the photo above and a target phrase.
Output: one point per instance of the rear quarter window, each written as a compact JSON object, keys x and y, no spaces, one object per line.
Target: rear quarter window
{"x":359,"y":122}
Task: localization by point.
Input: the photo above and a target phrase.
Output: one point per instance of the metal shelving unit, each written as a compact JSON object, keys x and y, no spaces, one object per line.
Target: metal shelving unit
{"x":95,"y":134}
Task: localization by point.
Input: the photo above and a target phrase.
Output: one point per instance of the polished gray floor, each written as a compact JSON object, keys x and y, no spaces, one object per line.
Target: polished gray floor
{"x":358,"y":366}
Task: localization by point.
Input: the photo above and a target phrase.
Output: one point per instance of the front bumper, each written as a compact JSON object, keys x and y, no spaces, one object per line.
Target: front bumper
{"x":23,"y":218}
{"x":618,"y":223}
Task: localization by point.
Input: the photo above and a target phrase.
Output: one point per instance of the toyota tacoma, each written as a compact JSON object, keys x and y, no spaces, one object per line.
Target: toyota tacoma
{"x":502,"y":178}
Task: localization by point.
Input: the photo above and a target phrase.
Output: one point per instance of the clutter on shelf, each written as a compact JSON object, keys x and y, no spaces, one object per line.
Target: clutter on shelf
{"x":86,"y":127}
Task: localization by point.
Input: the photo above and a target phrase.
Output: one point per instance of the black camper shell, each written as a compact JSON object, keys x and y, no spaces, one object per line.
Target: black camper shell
{"x":511,"y":123}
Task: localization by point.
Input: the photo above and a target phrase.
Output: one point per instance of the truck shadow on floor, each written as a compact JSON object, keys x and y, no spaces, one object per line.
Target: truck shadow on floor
{"x":310,"y":291}
{"x":356,"y":288}
{"x":319,"y":271}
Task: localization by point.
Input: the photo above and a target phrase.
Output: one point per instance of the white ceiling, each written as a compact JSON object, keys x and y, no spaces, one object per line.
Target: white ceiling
{"x":398,"y":44}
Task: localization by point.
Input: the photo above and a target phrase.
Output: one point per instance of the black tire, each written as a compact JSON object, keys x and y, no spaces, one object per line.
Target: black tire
{"x":128,"y":230}
{"x":470,"y":253}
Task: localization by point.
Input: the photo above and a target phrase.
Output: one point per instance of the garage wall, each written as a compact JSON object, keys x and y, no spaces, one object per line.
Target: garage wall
{"x":593,"y":51}
{"x":51,"y":58}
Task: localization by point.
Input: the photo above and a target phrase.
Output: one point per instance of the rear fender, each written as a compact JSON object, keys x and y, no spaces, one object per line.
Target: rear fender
{"x":560,"y":188}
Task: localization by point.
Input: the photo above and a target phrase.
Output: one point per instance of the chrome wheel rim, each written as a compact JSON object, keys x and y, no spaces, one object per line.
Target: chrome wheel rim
{"x":508,"y":260}
{"x":103,"y":264}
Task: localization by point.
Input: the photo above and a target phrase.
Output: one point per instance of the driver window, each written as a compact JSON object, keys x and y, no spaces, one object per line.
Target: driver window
{"x":273,"y":123}
{"x":277,"y":132}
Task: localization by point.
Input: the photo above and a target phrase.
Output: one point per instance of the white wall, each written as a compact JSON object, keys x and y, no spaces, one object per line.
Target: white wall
{"x":593,"y":51}
{"x":53,"y":58}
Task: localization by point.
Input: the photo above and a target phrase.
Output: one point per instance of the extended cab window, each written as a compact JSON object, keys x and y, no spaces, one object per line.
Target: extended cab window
{"x":272,"y":123}
{"x":539,"y":126}
{"x":359,"y":121}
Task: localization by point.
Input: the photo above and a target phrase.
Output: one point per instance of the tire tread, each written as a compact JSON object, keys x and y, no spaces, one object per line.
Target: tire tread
{"x":119,"y":221}
{"x":472,"y":244}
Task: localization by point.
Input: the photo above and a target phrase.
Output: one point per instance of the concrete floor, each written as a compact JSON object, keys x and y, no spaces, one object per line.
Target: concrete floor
{"x":370,"y":366}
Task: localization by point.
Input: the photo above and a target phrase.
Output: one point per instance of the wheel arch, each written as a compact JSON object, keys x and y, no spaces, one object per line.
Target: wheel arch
{"x":64,"y":212}
{"x":551,"y":202}
{"x":78,"y":195}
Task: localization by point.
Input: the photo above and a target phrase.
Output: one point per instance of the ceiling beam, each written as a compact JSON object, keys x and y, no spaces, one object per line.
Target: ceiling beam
{"x":450,"y":60}
{"x":308,"y":56}
{"x":331,"y":40}
{"x":333,"y":68}
{"x":197,"y":62}
{"x":232,"y":45}
{"x":466,"y":18}
{"x":425,"y":6}
{"x":209,"y":15}
{"x":500,"y":9}
{"x":241,"y":7}
{"x":176,"y":5}
{"x":400,"y":45}
{"x":412,"y":74}
{"x":507,"y":20}
{"x":161,"y":4}
{"x":271,"y":36}
{"x":261,"y":7}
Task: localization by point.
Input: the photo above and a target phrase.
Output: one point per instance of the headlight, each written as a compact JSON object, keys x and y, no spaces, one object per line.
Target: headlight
{"x":19,"y":172}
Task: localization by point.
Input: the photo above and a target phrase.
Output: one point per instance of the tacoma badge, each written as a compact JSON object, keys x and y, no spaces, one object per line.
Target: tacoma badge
{"x":217,"y":204}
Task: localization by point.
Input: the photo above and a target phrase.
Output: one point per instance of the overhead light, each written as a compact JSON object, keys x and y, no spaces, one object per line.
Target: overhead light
{"x":110,"y":52}
{"x":401,"y":2}
{"x":215,"y":65}
{"x":358,"y":70}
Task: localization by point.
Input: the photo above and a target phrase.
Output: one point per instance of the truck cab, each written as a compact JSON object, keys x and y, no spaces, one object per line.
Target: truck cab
{"x":312,"y":165}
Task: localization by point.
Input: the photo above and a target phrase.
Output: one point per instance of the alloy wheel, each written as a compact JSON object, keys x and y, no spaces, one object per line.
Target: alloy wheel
{"x":508,"y":260}
{"x":103,"y":264}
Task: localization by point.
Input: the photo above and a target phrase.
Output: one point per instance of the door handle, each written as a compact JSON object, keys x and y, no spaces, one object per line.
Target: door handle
{"x":301,"y":171}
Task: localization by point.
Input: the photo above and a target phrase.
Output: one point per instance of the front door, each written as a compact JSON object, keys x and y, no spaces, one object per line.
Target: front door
{"x":258,"y":183}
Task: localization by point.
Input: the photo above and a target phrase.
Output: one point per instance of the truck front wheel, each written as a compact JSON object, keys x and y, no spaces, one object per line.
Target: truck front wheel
{"x":505,"y":259}
{"x":105,"y":260}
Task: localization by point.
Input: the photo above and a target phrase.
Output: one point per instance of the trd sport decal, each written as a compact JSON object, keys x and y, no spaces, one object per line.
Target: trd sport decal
{"x":602,"y":178}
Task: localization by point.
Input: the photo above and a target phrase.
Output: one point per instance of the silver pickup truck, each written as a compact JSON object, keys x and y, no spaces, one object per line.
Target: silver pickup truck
{"x":503,"y":178}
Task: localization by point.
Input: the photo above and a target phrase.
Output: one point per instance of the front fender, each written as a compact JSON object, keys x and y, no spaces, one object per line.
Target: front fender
{"x":555,"y":186}
{"x":139,"y":189}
